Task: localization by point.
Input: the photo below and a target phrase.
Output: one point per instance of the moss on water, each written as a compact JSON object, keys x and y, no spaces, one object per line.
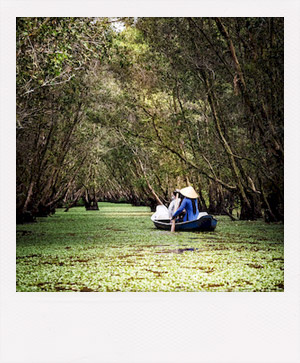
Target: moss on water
{"x":118,"y":249}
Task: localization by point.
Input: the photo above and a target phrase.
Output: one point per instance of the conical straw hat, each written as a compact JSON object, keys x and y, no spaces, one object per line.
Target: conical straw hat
{"x":189,"y":192}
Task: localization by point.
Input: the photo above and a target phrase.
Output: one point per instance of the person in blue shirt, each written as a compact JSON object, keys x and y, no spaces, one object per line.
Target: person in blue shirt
{"x":189,"y":203}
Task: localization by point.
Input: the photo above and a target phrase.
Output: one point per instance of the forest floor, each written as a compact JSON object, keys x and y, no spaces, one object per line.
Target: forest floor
{"x":118,"y":249}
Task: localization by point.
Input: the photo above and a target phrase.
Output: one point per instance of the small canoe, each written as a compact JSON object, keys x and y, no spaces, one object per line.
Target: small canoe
{"x":204,"y":223}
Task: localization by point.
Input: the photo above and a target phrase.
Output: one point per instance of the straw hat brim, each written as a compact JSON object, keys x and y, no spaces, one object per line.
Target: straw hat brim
{"x":189,"y":192}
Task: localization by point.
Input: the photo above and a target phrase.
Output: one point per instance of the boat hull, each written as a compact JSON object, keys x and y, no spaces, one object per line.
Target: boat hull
{"x":205,"y":223}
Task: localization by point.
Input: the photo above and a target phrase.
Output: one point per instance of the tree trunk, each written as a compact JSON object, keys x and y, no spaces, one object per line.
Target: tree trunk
{"x":274,"y":144}
{"x":216,"y":199}
{"x":234,"y":168}
{"x":202,"y":203}
{"x":90,"y":202}
{"x":254,"y":212}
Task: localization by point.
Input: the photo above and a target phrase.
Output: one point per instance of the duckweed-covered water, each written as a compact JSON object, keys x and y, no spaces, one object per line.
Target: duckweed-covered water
{"x":118,"y":249}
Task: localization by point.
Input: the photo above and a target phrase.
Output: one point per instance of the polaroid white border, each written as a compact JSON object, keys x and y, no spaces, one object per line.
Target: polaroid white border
{"x":150,"y":327}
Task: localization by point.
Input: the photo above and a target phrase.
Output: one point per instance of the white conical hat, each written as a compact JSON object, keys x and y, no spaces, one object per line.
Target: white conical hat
{"x":189,"y":192}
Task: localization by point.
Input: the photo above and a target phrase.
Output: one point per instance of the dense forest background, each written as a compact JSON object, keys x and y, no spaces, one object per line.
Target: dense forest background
{"x":129,"y":109}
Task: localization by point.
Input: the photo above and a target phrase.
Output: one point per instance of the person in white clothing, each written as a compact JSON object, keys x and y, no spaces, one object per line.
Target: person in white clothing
{"x":172,"y":205}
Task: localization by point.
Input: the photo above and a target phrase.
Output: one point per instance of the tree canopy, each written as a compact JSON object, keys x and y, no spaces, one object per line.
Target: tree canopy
{"x":131,"y":112}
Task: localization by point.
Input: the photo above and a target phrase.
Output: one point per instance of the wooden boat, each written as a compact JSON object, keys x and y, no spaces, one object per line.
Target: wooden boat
{"x":203,"y":223}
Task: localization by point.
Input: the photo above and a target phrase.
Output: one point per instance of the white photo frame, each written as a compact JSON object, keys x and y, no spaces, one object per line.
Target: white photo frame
{"x":150,"y":327}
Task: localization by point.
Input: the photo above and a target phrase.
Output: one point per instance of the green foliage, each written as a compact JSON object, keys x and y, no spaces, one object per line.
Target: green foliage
{"x":118,"y":249}
{"x":52,"y":50}
{"x":164,"y":103}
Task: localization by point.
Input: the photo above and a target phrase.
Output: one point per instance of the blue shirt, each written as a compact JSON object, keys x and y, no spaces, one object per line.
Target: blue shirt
{"x":188,"y":206}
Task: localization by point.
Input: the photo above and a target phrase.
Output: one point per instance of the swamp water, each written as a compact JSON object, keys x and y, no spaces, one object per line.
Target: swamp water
{"x":118,"y":249}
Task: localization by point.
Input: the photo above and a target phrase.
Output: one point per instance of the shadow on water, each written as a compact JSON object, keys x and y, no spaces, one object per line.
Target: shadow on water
{"x":178,"y":251}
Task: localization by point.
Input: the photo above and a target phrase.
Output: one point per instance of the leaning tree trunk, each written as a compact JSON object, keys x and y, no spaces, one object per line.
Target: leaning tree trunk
{"x":74,"y":200}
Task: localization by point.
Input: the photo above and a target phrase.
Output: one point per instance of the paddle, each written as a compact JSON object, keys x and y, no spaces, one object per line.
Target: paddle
{"x":175,"y":209}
